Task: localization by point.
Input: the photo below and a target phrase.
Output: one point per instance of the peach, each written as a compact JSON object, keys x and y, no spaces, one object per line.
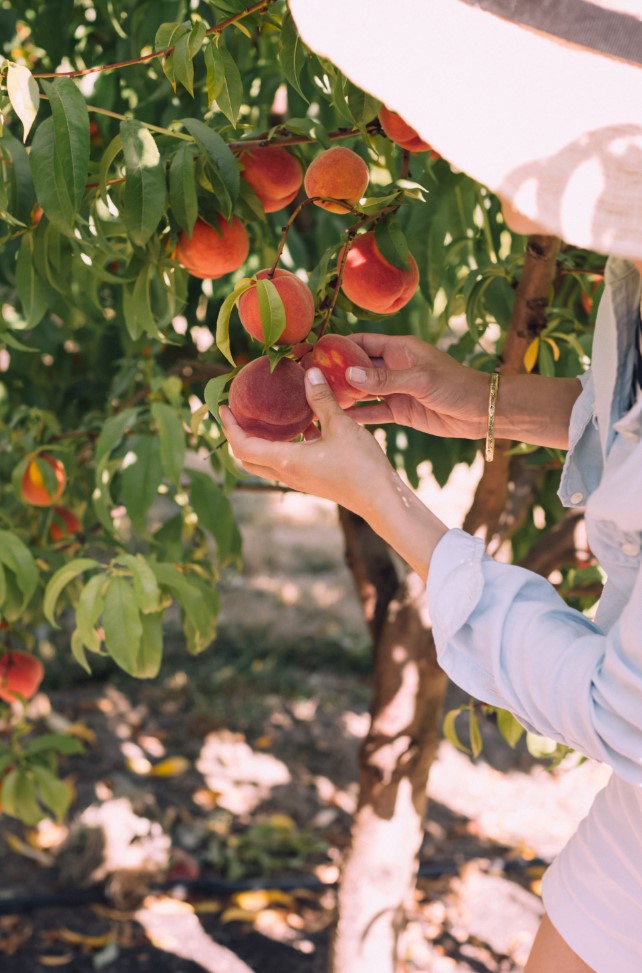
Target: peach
{"x":64,"y":524}
{"x":20,"y":673}
{"x":339,"y":173}
{"x":274,"y":174}
{"x":333,"y":353}
{"x":372,"y":282}
{"x":33,"y":486}
{"x":402,"y":134}
{"x":270,"y":404}
{"x":209,"y":254}
{"x":297,"y":300}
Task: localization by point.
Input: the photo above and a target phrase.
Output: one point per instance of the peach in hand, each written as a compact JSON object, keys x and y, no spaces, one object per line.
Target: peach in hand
{"x":372,"y":282}
{"x":271,"y":404}
{"x":297,"y":300}
{"x":403,"y":134}
{"x":333,"y":353}
{"x":209,"y":253}
{"x":20,"y":674}
{"x":274,"y":174}
{"x":33,"y":487}
{"x":339,"y":173}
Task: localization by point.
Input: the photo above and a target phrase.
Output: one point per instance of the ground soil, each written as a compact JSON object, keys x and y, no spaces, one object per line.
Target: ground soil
{"x":262,"y":734}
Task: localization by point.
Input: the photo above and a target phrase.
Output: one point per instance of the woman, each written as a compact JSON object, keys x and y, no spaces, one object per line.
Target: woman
{"x":503,"y":633}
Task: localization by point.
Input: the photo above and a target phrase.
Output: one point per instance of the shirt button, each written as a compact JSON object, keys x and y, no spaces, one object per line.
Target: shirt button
{"x":577,"y":497}
{"x":630,"y":548}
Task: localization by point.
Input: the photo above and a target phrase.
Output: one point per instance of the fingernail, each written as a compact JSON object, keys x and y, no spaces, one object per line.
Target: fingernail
{"x":356,"y":374}
{"x":316,"y":376}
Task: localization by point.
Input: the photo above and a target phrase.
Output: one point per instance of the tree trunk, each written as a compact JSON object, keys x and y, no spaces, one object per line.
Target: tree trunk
{"x":380,"y":871}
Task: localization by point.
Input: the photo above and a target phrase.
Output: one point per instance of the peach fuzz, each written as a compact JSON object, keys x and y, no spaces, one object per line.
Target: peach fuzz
{"x":297,"y":300}
{"x":209,"y":254}
{"x":402,"y":134}
{"x":33,"y":487}
{"x":339,"y":173}
{"x":274,"y":174}
{"x":64,"y":524}
{"x":270,"y":404}
{"x":372,"y":282}
{"x":333,"y":353}
{"x":20,"y":674}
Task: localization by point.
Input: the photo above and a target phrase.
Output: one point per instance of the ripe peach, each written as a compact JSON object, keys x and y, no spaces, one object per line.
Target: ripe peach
{"x":20,"y":672}
{"x":400,"y":132}
{"x":333,"y":353}
{"x":372,"y":282}
{"x":339,"y":173}
{"x":298,"y":302}
{"x":210,"y":254}
{"x":33,"y":487}
{"x":64,"y":524}
{"x":274,"y":174}
{"x":271,"y":404}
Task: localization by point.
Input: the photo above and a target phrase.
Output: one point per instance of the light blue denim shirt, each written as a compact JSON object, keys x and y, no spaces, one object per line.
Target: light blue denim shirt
{"x":503,"y":633}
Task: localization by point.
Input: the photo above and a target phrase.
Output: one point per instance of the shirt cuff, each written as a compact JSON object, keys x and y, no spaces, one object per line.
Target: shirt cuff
{"x":455,"y":582}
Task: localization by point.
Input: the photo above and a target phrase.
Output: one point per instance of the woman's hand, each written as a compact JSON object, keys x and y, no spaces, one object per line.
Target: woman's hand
{"x":420,"y":386}
{"x":343,"y":462}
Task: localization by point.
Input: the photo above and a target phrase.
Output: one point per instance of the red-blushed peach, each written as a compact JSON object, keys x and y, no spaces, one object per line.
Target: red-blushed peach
{"x":20,"y":673}
{"x":339,"y":173}
{"x":209,"y":254}
{"x":372,"y":282}
{"x":403,"y":134}
{"x":297,"y":300}
{"x":274,"y":174}
{"x":333,"y":353}
{"x":33,"y":487}
{"x":64,"y":524}
{"x":270,"y":404}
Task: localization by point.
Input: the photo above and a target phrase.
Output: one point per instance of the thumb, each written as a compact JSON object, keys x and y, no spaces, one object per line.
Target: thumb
{"x":319,"y":395}
{"x":382,"y":381}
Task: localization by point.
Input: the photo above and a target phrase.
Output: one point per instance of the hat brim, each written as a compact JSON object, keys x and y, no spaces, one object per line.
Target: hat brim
{"x":553,"y":127}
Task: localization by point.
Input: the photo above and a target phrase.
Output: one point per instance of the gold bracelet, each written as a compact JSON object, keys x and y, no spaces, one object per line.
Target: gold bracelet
{"x":492,"y":408}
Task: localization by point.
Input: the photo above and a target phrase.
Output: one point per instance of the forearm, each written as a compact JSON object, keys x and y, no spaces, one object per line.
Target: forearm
{"x":535,"y":409}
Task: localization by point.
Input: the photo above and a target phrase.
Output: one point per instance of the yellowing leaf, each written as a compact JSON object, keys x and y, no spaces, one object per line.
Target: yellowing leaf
{"x":172,"y":767}
{"x":208,"y":906}
{"x":139,"y":765}
{"x":259,"y":899}
{"x":531,"y":355}
{"x":91,"y":942}
{"x":20,"y":847}
{"x":81,"y":731}
{"x":282,"y":821}
{"x":238,"y":915}
{"x":63,"y":960}
{"x":555,"y":347}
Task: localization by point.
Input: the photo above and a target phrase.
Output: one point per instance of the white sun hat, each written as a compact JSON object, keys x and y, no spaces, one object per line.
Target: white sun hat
{"x":540,"y":100}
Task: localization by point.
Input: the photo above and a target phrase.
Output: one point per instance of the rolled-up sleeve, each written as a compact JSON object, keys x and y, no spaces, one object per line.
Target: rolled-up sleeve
{"x":504,"y":635}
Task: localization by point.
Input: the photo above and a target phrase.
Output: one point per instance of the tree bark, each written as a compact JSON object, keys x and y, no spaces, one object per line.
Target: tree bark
{"x":380,"y":870}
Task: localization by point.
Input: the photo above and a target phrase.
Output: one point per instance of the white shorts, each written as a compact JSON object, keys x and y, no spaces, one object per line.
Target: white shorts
{"x":593,"y":890}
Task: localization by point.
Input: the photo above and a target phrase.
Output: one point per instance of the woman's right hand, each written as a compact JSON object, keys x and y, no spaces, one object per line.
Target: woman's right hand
{"x":419,"y":386}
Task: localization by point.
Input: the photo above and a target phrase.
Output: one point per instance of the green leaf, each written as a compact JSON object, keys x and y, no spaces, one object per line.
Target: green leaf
{"x":214,"y":390}
{"x":19,"y":186}
{"x":186,"y":48}
{"x":199,"y":615}
{"x":182,"y":188}
{"x":172,"y":440}
{"x":224,"y":82}
{"x":19,"y":797}
{"x":31,"y":289}
{"x":271,"y":310}
{"x":70,"y":145}
{"x":145,"y":585}
{"x":292,"y":54}
{"x":222,"y":337}
{"x":392,"y":242}
{"x":217,"y":153}
{"x":88,"y":611}
{"x":60,"y":580}
{"x":16,"y":556}
{"x":509,"y":728}
{"x":476,"y":742}
{"x":111,"y":434}
{"x":114,"y":149}
{"x":215,"y":514}
{"x":53,"y":743}
{"x":140,"y":478}
{"x":53,"y":792}
{"x":151,"y":646}
{"x":145,"y":184}
{"x":450,"y":730}
{"x":137,"y":305}
{"x":24,"y":95}
{"x":123,"y":626}
{"x":363,"y":107}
